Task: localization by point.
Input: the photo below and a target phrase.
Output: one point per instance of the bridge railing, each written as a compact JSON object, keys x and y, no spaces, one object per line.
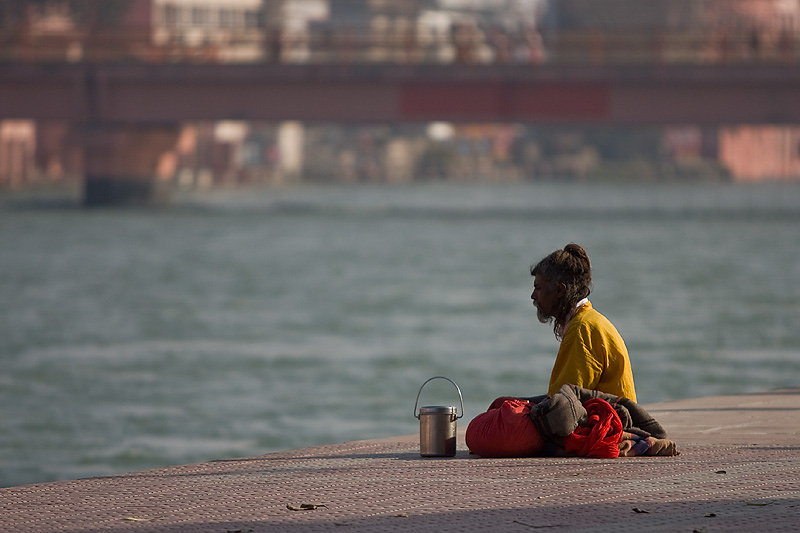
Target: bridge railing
{"x":360,"y":46}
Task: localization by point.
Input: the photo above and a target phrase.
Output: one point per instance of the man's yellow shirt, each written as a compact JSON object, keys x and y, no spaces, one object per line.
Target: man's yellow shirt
{"x":593,"y":356}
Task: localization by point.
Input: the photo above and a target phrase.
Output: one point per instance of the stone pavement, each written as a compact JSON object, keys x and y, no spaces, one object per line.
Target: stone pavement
{"x":739,"y":470}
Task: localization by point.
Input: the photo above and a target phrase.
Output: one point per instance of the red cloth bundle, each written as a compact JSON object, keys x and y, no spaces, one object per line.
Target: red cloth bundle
{"x":505,"y":430}
{"x":600,"y":435}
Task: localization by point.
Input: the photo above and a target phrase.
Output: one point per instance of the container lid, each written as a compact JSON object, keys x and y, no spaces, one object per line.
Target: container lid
{"x":437,"y":410}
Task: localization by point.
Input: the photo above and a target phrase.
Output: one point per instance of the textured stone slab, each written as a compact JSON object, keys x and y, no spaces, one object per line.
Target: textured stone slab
{"x":738,"y":470}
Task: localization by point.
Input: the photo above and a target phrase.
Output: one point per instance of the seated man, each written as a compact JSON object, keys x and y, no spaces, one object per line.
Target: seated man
{"x":592,"y":353}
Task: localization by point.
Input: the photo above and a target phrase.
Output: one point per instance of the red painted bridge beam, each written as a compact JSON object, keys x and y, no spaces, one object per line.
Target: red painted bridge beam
{"x":506,"y":101}
{"x":140,"y":93}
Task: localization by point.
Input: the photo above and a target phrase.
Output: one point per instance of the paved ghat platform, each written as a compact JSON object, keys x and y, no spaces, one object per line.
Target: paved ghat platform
{"x":739,"y":470}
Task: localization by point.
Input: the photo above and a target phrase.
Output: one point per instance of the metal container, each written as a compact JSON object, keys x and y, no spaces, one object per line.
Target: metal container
{"x":437,"y":425}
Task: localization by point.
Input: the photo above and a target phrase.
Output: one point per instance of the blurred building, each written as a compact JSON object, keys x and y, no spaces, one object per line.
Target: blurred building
{"x":17,"y":152}
{"x":209,"y":30}
{"x":754,"y":153}
{"x":64,"y":30}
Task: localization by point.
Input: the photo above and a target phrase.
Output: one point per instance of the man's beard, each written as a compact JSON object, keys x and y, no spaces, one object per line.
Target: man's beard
{"x":543,"y":317}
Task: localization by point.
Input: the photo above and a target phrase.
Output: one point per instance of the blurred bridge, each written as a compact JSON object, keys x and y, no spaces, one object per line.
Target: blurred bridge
{"x":126,"y":115}
{"x":125,"y":74}
{"x":139,"y":93}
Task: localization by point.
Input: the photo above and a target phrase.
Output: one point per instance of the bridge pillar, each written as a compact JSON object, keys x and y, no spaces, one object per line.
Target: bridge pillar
{"x":121,"y":163}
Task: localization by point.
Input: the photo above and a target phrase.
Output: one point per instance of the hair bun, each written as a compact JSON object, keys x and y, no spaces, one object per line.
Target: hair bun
{"x":576,"y":251}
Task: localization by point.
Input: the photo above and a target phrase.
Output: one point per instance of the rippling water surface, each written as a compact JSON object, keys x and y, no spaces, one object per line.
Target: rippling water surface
{"x":238,"y":323}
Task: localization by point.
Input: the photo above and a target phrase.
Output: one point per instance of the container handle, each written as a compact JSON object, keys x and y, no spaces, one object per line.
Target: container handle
{"x":461,"y":399}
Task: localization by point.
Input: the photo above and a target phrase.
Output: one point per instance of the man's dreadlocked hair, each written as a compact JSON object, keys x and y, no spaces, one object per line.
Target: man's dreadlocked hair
{"x":571,"y":267}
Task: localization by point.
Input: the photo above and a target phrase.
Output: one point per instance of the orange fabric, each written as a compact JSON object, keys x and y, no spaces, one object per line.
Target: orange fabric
{"x":600,"y":435}
{"x":505,"y":430}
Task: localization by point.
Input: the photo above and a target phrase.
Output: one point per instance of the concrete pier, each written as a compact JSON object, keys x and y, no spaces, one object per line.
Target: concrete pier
{"x":739,"y":470}
{"x":122,"y":163}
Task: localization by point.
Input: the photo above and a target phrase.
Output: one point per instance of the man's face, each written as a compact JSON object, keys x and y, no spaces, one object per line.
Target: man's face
{"x":545,"y":298}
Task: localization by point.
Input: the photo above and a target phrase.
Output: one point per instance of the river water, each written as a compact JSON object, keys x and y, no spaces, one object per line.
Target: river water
{"x":237,"y":323}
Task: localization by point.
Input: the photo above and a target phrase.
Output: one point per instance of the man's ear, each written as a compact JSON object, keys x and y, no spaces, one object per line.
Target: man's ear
{"x":561,"y":289}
